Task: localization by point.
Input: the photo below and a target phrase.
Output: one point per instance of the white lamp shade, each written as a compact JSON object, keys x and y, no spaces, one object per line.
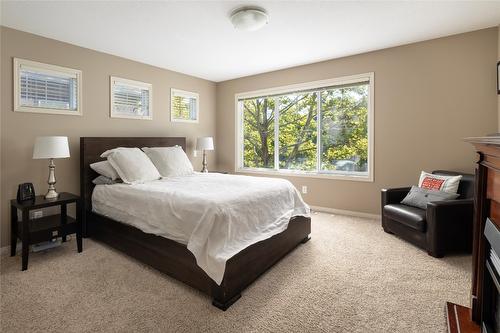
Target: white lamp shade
{"x":205,"y":143}
{"x":51,"y":147}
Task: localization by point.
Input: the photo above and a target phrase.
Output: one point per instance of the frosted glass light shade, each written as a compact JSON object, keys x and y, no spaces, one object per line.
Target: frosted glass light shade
{"x":51,"y":147}
{"x":205,"y":143}
{"x":249,"y":19}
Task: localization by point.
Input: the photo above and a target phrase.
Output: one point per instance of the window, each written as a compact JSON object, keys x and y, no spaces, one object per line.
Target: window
{"x":131,"y":99}
{"x":259,"y":132}
{"x":184,"y":106}
{"x":319,"y":129}
{"x":45,"y":88}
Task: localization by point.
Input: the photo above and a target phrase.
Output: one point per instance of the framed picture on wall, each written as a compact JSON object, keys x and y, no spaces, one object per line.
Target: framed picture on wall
{"x":131,"y":99}
{"x":184,"y":106}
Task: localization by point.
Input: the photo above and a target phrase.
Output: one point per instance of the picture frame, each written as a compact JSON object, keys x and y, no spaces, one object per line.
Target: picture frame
{"x":130,"y":99}
{"x":184,"y":106}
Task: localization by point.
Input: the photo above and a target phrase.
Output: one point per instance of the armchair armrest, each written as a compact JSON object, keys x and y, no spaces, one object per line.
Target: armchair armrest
{"x":394,"y":195}
{"x":449,"y":204}
{"x":448,"y":211}
{"x":449,"y":225}
{"x":390,"y":196}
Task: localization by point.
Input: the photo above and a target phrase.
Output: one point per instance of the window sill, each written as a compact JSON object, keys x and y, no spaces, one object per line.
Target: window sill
{"x":27,"y":109}
{"x":335,"y":176}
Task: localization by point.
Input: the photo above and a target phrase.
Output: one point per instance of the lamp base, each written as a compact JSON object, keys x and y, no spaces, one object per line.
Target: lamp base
{"x":204,"y":163}
{"x":51,"y":194}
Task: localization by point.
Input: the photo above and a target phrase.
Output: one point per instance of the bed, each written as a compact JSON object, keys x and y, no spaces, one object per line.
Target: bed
{"x":172,"y":255}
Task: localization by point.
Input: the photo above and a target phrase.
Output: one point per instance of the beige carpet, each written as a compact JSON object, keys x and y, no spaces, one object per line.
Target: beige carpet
{"x":351,"y":277}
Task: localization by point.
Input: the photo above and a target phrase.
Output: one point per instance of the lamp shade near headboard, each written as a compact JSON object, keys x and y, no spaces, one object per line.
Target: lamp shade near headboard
{"x":51,"y":147}
{"x":205,"y":143}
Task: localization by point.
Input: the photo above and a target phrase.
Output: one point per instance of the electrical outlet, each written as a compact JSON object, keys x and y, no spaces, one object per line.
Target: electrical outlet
{"x":195,"y":153}
{"x":37,"y":214}
{"x":304,"y":189}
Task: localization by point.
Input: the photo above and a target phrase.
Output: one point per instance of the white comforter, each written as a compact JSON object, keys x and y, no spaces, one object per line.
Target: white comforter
{"x":216,"y":215}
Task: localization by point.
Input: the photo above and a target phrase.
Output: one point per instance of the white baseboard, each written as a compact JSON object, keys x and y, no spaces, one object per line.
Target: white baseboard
{"x":345,"y":212}
{"x":6,"y":249}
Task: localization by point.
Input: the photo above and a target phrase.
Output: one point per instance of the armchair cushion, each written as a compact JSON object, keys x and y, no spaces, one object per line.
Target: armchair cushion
{"x":420,"y":197}
{"x":412,"y":217}
{"x":432,"y":181}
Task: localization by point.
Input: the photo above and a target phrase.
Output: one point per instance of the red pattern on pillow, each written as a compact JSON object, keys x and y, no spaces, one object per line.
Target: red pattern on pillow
{"x":432,"y":183}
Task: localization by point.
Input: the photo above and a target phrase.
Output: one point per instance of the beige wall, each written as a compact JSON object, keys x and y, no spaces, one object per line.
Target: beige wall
{"x":428,"y":96}
{"x":18,"y":130}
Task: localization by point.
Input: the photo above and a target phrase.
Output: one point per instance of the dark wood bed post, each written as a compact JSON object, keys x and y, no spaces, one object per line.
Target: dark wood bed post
{"x":84,"y":187}
{"x":171,"y":257}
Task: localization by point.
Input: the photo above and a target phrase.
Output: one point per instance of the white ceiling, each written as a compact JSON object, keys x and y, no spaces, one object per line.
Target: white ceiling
{"x":197,"y":38}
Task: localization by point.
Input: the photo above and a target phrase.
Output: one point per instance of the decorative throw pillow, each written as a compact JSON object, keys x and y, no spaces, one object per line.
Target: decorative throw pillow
{"x":105,"y":169}
{"x":170,"y":161}
{"x":103,"y":180}
{"x":132,"y":165}
{"x":439,"y":182}
{"x":420,"y":197}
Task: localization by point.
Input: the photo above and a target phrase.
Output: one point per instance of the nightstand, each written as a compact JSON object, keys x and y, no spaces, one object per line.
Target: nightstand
{"x":32,"y":231}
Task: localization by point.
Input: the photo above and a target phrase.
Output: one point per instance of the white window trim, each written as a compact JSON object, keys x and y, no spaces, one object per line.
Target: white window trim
{"x":341,"y":175}
{"x":48,"y":69}
{"x":135,"y":84}
{"x":187,"y":94}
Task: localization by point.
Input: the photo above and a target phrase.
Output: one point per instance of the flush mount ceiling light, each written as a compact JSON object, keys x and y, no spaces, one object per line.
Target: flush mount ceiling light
{"x":249,"y":19}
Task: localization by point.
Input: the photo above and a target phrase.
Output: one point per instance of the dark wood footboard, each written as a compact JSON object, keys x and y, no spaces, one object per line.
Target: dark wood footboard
{"x":246,"y":266}
{"x":175,"y":260}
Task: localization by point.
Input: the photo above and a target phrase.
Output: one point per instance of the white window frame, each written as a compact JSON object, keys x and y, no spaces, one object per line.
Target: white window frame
{"x":47,"y":69}
{"x":135,"y":84}
{"x":187,"y":94}
{"x":341,"y":175}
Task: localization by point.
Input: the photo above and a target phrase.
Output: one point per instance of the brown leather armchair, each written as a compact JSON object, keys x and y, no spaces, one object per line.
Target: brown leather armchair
{"x":444,"y":226}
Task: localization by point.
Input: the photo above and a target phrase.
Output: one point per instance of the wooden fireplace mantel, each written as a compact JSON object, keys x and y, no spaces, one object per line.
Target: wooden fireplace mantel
{"x":486,"y":205}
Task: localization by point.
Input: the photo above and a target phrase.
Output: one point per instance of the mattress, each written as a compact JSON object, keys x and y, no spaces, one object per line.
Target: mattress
{"x":215,"y":215}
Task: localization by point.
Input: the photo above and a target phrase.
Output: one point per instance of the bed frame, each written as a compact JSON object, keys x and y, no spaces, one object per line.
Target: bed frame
{"x":169,"y":256}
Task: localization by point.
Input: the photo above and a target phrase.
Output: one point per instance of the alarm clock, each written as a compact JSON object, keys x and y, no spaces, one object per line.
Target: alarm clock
{"x":25,"y":192}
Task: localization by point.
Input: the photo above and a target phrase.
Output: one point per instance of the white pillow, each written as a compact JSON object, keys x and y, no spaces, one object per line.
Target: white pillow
{"x":104,"y":168}
{"x":439,"y":182}
{"x":170,"y":161}
{"x":132,"y":165}
{"x":103,"y":180}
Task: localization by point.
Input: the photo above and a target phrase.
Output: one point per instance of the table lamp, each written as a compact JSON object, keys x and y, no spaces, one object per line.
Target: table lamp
{"x":50,"y":147}
{"x":204,"y":144}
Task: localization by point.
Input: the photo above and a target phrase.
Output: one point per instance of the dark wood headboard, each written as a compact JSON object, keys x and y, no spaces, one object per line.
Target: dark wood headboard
{"x":92,"y":147}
